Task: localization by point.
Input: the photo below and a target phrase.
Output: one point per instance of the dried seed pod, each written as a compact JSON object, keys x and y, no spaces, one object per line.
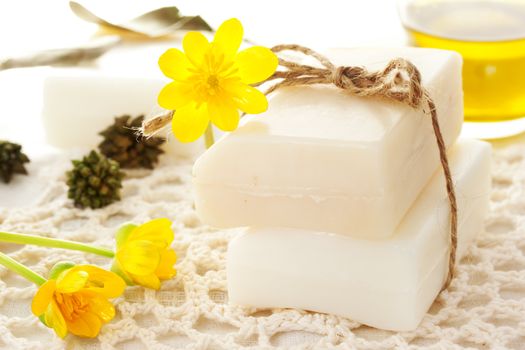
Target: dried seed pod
{"x":12,"y":161}
{"x":122,"y":144}
{"x":95,"y":181}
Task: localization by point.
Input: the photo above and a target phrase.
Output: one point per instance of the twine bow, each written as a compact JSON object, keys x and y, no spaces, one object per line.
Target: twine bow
{"x":399,"y":81}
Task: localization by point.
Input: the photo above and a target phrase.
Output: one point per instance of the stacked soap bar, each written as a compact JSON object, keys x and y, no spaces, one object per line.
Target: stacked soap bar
{"x":389,"y":283}
{"x":321,"y":159}
{"x":344,"y":196}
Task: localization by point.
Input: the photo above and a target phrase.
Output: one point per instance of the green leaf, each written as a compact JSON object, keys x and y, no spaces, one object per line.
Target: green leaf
{"x":59,"y":268}
{"x":116,"y":269}
{"x":42,"y":319}
{"x":122,"y":234}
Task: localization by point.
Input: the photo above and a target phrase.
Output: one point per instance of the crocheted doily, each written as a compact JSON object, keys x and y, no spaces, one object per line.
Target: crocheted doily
{"x":483,"y":309}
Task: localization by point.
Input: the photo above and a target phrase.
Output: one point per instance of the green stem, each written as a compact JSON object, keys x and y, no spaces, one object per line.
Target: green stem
{"x":22,"y":270}
{"x":208,"y":136}
{"x":21,"y":238}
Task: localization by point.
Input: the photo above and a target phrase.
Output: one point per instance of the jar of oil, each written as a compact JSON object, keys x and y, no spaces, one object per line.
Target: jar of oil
{"x":490,"y":35}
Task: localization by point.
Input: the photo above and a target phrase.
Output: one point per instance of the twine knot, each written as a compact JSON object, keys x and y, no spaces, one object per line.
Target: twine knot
{"x":400,"y":80}
{"x":348,"y":78}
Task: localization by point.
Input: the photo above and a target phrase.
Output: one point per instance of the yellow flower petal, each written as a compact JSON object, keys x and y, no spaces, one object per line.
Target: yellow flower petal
{"x":190,"y":122}
{"x":166,"y":270}
{"x":103,"y":282}
{"x":100,"y":306}
{"x":157,"y":231}
{"x":55,"y":320}
{"x":195,"y":47}
{"x":175,"y":95}
{"x":248,"y":99}
{"x":228,"y":37}
{"x":72,"y":280}
{"x":203,"y":95}
{"x":139,"y":257}
{"x":148,"y":281}
{"x":223,"y":114}
{"x":117,"y":269}
{"x":174,"y":64}
{"x":43,"y":297}
{"x":86,"y":325}
{"x":256,"y":64}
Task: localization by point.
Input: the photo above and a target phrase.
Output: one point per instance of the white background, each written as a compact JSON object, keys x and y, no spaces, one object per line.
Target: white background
{"x":30,"y":25}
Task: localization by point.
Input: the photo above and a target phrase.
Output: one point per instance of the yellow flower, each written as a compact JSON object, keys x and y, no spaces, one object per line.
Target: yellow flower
{"x":212,"y":81}
{"x":76,"y":299}
{"x":143,"y":255}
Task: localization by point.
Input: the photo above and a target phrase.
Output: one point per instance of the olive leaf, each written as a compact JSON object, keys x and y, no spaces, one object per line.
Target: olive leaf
{"x":156,"y":23}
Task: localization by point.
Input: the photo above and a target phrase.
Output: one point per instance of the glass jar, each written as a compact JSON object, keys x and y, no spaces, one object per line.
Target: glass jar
{"x":490,"y":35}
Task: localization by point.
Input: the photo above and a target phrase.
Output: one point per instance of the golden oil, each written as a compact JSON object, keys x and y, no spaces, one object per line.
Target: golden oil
{"x":490,"y":35}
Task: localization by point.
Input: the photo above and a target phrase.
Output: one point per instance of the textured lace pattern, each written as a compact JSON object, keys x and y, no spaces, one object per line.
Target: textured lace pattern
{"x":483,"y":309}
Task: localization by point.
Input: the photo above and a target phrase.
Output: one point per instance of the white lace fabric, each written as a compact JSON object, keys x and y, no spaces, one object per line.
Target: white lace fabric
{"x":483,"y":309}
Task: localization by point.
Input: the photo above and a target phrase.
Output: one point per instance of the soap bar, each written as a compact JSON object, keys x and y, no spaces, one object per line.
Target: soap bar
{"x":78,"y":103}
{"x":321,"y":159}
{"x":388,"y":284}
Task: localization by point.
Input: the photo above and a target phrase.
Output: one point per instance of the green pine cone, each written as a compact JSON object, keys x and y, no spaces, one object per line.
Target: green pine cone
{"x":95,"y":181}
{"x":122,"y":144}
{"x":12,"y":161}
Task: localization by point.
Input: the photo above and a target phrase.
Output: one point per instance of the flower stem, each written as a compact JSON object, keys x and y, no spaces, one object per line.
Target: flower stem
{"x":22,"y":270}
{"x":21,"y":238}
{"x":208,"y":136}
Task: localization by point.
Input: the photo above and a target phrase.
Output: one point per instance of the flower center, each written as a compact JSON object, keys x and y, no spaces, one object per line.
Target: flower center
{"x":213,"y":82}
{"x":72,"y":306}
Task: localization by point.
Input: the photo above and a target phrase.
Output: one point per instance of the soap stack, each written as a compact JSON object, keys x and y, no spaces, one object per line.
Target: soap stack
{"x":344,"y":197}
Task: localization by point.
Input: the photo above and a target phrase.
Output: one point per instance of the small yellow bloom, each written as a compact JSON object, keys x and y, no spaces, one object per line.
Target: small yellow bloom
{"x":212,"y":81}
{"x":77,"y":300}
{"x":144,"y":256}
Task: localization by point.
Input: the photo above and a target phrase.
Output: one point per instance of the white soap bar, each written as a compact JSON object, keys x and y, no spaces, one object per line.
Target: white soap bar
{"x":80,"y":102}
{"x":388,"y":284}
{"x":321,"y":159}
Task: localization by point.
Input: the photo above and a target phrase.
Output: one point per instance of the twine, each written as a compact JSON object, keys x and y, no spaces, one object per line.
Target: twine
{"x":399,"y":81}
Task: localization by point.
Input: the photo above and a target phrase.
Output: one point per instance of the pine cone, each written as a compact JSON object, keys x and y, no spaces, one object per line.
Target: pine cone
{"x":122,"y":144}
{"x":11,"y":160}
{"x":95,"y":181}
